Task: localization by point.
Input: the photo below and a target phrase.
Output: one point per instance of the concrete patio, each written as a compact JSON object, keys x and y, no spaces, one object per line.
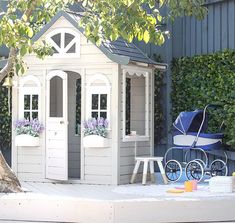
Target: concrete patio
{"x":47,"y":202}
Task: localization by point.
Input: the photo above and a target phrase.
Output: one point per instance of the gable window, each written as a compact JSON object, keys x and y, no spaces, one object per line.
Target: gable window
{"x":64,"y":42}
{"x":29,"y":94}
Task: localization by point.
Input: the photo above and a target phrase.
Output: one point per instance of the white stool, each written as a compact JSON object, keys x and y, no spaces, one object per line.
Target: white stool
{"x":148,"y":160}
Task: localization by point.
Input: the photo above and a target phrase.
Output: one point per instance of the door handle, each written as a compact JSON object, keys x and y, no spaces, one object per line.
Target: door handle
{"x":61,"y":122}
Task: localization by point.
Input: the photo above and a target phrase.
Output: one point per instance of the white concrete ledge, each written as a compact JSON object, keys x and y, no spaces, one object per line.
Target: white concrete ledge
{"x":107,"y":204}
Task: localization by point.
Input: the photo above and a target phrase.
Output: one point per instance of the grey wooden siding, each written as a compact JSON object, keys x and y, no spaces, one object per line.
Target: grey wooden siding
{"x":216,"y":32}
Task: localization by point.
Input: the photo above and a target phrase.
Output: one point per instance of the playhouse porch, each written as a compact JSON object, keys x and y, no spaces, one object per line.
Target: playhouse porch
{"x":50,"y":202}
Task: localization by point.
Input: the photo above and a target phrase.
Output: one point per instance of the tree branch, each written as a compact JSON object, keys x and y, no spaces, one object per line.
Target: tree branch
{"x":29,"y":11}
{"x":10,"y":64}
{"x":13,"y":52}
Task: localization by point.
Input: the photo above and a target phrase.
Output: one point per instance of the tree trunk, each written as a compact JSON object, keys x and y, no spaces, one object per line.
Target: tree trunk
{"x":8,"y":181}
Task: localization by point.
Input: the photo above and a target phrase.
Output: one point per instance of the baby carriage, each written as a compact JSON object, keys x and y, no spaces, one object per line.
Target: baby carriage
{"x":189,"y":136}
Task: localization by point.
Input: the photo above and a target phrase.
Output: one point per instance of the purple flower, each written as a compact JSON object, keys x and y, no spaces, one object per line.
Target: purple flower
{"x":106,"y":123}
{"x":33,"y":127}
{"x":100,"y":121}
{"x":96,"y":127}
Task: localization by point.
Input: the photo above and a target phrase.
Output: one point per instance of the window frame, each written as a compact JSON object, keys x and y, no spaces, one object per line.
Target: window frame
{"x":62,"y":51}
{"x":99,"y":110}
{"x":139,"y":73}
{"x":32,"y":90}
{"x":104,"y":89}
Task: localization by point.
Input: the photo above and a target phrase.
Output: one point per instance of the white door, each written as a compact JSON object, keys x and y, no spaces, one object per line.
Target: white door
{"x":57,"y":126}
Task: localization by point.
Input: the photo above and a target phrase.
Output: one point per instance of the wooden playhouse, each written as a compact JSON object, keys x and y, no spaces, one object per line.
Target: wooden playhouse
{"x":81,"y":80}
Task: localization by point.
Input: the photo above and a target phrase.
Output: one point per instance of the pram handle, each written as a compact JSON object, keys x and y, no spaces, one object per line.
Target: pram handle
{"x":215,"y":106}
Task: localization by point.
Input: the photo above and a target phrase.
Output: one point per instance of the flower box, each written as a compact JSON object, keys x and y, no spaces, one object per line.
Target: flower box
{"x":95,"y":141}
{"x":26,"y":140}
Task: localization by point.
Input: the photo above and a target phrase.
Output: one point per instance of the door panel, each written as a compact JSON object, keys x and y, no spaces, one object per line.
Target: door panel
{"x":57,"y":126}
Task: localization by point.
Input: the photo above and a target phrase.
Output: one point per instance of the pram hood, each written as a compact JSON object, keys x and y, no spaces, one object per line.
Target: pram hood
{"x":190,"y":121}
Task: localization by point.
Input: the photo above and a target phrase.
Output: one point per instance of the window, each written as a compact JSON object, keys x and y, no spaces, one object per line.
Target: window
{"x":98,"y":94}
{"x":64,"y":42}
{"x":135,"y":104}
{"x":99,"y":105}
{"x":29,"y":93}
{"x":56,"y":97}
{"x":30,"y":106}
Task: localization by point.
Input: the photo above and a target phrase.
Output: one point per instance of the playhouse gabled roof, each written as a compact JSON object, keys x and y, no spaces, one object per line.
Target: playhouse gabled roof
{"x":118,"y":51}
{"x":3,"y":62}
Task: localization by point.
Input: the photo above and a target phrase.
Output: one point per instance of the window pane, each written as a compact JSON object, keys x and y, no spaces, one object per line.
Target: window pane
{"x":94,"y":114}
{"x":78,"y":106}
{"x":55,"y":51}
{"x":56,"y":97}
{"x":103,"y":114}
{"x":57,"y":39}
{"x":26,"y":102}
{"x":103,"y":101}
{"x":68,"y":38}
{"x":95,"y":101}
{"x":34,"y":115}
{"x":72,"y":49}
{"x":27,"y":115}
{"x":35,"y":102}
{"x":137,"y":106}
{"x":128,"y":106}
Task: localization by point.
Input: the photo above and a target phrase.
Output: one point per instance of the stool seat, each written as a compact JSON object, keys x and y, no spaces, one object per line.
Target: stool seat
{"x":148,"y":161}
{"x":149,"y":158}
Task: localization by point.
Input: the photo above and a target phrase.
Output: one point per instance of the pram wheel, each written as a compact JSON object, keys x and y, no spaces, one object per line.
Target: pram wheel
{"x":194,"y":170}
{"x":218,"y":168}
{"x":173,"y":170}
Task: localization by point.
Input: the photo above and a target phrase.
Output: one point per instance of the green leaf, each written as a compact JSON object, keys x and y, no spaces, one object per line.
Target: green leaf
{"x":29,"y":32}
{"x":146,"y":36}
{"x":23,"y":51}
{"x":161,"y":2}
{"x":140,"y":36}
{"x":24,"y":17}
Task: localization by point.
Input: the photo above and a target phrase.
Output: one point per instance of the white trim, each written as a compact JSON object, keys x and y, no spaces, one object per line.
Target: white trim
{"x":24,"y":90}
{"x":138,"y":73}
{"x":28,"y":78}
{"x":152,"y":113}
{"x":98,"y":76}
{"x":58,"y":73}
{"x":98,"y":90}
{"x":62,"y":50}
{"x":83,"y":113}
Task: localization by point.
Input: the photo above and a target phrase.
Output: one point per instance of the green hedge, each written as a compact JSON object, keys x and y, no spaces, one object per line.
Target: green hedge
{"x":204,"y":79}
{"x":5,"y":119}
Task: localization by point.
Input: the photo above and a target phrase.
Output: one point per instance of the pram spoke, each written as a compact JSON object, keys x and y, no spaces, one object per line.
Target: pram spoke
{"x":218,"y":168}
{"x":173,"y":170}
{"x":194,"y":170}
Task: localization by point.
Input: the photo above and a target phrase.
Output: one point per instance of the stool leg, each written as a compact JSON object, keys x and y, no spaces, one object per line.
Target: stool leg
{"x":145,"y":172}
{"x":135,"y":171}
{"x":151,"y":166}
{"x":162,"y":172}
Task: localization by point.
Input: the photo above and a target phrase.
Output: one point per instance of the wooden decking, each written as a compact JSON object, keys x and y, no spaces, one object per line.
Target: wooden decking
{"x":47,"y":202}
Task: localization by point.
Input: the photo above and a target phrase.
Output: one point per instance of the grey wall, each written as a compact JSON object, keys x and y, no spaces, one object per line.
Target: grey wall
{"x":216,"y":32}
